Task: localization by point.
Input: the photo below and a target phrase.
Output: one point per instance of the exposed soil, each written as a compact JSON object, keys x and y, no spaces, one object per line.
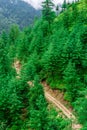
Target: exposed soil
{"x":17,"y":66}
{"x":58,"y":95}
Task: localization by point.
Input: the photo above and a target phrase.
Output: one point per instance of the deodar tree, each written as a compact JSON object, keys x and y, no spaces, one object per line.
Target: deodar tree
{"x":47,"y":11}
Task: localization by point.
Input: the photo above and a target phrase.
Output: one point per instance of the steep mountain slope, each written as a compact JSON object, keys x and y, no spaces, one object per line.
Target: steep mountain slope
{"x":54,"y":50}
{"x":16,"y":12}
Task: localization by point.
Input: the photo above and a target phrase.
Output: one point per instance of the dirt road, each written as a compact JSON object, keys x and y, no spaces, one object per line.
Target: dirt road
{"x":60,"y":106}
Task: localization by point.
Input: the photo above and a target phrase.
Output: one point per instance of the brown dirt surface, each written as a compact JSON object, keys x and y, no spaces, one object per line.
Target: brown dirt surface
{"x":17,"y":66}
{"x":57,"y":97}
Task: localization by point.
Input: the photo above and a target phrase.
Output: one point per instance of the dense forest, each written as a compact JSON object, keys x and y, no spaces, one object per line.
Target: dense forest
{"x":16,"y":12}
{"x":54,"y":50}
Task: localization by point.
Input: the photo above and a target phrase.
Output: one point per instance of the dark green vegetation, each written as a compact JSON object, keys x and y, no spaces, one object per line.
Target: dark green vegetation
{"x":55,"y":50}
{"x":16,"y":12}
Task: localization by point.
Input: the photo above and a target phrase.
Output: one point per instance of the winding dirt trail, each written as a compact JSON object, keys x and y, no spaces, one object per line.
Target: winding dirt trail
{"x":60,"y":106}
{"x":56,"y":103}
{"x":57,"y":98}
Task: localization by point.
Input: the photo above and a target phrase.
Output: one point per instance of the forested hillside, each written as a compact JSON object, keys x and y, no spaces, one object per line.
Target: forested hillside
{"x":53,"y":50}
{"x":16,"y":12}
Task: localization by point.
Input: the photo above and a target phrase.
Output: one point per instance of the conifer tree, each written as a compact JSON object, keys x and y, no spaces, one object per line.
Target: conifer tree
{"x":72,"y":80}
{"x":13,"y":35}
{"x":81,"y":106}
{"x":47,"y":11}
{"x":4,"y":37}
{"x":64,"y":5}
{"x":40,"y":118}
{"x":38,"y":107}
{"x":57,"y":9}
{"x":4,"y":63}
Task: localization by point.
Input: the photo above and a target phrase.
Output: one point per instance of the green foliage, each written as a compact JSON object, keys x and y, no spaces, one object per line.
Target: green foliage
{"x":13,"y":35}
{"x":40,"y":117}
{"x":55,"y":49}
{"x":12,"y":97}
{"x":55,"y":83}
{"x":57,"y":122}
{"x":12,"y":39}
{"x":39,"y":34}
{"x":29,"y":70}
{"x":84,"y":127}
{"x":47,"y":11}
{"x":4,"y":61}
{"x":72,"y":80}
{"x":22,"y":46}
{"x":64,"y":5}
{"x":81,"y":107}
{"x":38,"y":106}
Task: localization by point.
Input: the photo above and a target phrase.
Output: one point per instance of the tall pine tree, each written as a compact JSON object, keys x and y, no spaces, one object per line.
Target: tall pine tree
{"x":47,"y":11}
